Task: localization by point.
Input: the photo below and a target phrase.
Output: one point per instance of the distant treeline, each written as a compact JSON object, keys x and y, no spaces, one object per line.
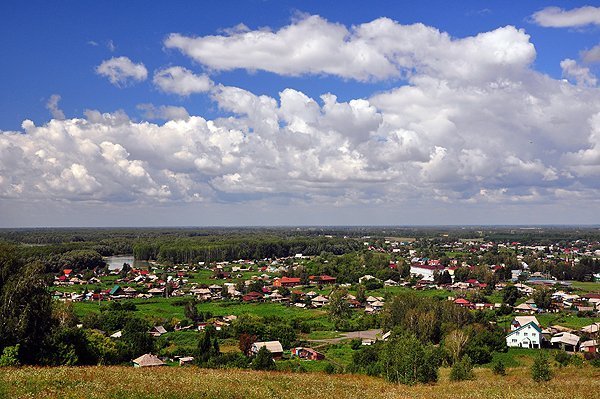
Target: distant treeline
{"x":211,"y":250}
{"x":112,"y":238}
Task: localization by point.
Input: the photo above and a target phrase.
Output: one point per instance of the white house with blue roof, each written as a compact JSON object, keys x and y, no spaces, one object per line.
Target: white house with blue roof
{"x":527,"y":336}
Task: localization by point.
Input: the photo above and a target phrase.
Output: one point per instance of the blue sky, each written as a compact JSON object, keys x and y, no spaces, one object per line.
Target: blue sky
{"x":49,"y":51}
{"x":438,"y":172}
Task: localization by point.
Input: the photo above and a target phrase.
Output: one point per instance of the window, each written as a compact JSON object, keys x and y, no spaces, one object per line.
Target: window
{"x":514,"y":340}
{"x":525,"y":334}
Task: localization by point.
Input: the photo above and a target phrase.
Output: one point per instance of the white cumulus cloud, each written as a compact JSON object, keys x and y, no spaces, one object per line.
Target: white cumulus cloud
{"x":472,"y":123}
{"x":380,"y":49}
{"x":582,"y":75}
{"x":182,"y":81}
{"x":121,"y":71}
{"x":556,"y":17}
{"x":164,"y":112}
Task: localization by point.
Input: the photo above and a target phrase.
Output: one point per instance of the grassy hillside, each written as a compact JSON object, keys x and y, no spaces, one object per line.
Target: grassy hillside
{"x":174,"y":383}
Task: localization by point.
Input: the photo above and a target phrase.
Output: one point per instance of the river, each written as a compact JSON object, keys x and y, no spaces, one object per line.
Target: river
{"x":116,"y":262}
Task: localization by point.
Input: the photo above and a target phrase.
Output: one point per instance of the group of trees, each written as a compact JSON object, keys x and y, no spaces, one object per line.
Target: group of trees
{"x":210,"y":249}
{"x":427,"y":333}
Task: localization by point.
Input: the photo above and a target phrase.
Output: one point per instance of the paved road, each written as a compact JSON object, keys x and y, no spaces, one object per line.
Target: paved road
{"x":367,"y":334}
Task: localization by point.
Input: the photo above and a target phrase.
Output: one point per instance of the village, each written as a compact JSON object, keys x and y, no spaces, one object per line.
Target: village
{"x":525,"y":297}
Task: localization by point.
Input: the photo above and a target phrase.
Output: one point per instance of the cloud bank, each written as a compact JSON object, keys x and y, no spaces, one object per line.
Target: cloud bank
{"x":472,"y":123}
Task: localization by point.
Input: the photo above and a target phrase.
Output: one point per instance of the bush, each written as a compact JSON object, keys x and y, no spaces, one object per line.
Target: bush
{"x":356,"y":344}
{"x":577,"y":360}
{"x":263,"y":360}
{"x":562,"y":358}
{"x":462,"y":370}
{"x":499,"y":368}
{"x":10,"y":356}
{"x":329,"y":368}
{"x":540,"y":369}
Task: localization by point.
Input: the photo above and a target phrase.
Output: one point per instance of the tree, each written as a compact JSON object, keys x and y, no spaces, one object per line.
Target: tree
{"x":462,"y":370}
{"x":25,"y":312}
{"x":208,"y":346}
{"x":404,"y":359}
{"x":136,"y":338}
{"x":543,"y":298}
{"x":444,"y":278}
{"x":361,"y":293}
{"x":455,"y":343}
{"x":191,"y":311}
{"x":103,"y":348}
{"x":510,"y":295}
{"x":245,"y":342}
{"x":263,"y":360}
{"x":339,"y":308}
{"x":540,"y":369}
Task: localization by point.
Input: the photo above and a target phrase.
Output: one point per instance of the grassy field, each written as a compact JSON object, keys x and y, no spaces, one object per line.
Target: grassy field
{"x":585,"y":287}
{"x":569,"y":320}
{"x":191,"y":382}
{"x":164,"y":308}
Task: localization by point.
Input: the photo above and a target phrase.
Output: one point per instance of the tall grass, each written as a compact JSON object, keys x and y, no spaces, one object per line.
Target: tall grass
{"x":191,"y":382}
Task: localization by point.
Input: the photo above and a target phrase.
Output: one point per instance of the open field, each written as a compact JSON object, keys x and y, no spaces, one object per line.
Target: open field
{"x":585,"y":286}
{"x":164,"y":308}
{"x":174,"y":383}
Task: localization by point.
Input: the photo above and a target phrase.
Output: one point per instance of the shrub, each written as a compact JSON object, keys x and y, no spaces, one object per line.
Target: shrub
{"x":263,"y":360}
{"x":329,"y":368}
{"x":577,"y":360}
{"x":499,"y":368}
{"x":562,"y":358}
{"x":10,"y":356}
{"x":356,"y":344}
{"x":540,"y":369}
{"x":462,"y":370}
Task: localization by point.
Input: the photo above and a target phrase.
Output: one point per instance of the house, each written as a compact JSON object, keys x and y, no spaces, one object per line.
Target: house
{"x":526,"y":336}
{"x":524,"y":308}
{"x":307,"y":353}
{"x":148,"y":360}
{"x":116,"y":290}
{"x":323,"y":279}
{"x":524,"y":289}
{"x":187,"y":360}
{"x":390,"y":283}
{"x":286,"y":282}
{"x":273,"y":346}
{"x":319,"y":301}
{"x":425,"y":271}
{"x":252,"y":297}
{"x":463,"y":302}
{"x":591,"y":329}
{"x":565,"y":341}
{"x":156,"y":291}
{"x":157,"y":331}
{"x":590,"y":346}
{"x":130,"y":291}
{"x":520,"y":321}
